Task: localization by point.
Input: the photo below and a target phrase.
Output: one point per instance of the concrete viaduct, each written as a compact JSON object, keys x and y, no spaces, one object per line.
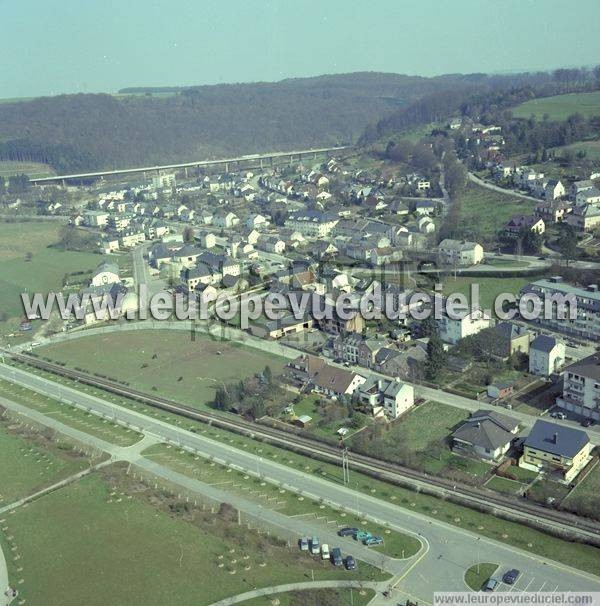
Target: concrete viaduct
{"x":256,"y":160}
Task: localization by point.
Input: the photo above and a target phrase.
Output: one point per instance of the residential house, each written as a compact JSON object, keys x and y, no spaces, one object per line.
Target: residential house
{"x":552,"y":211}
{"x":225,"y":219}
{"x":513,"y":338}
{"x":460,"y":253}
{"x":130,"y":239}
{"x":546,"y":355}
{"x":96,"y":218}
{"x":336,"y":382}
{"x":486,"y":434}
{"x":462,"y":324}
{"x":425,"y":207}
{"x":584,"y":218}
{"x":554,"y":189}
{"x":580,"y":186}
{"x":587,"y":196}
{"x":355,"y":349}
{"x":519,"y":223}
{"x":500,"y":390}
{"x":257,"y":221}
{"x":558,"y":451}
{"x":386,"y":397}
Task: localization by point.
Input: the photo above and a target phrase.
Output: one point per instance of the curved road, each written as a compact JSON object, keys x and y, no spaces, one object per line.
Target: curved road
{"x":256,"y":593}
{"x":502,"y":190}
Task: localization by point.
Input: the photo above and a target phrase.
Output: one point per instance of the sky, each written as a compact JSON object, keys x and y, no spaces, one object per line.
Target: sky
{"x":67,"y":46}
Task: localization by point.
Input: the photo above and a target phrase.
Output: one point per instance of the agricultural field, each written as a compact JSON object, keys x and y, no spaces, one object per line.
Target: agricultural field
{"x":560,"y":107}
{"x":117,"y":523}
{"x":168,"y":363}
{"x":590,"y":148}
{"x":8,"y":168}
{"x":29,"y":465}
{"x":29,"y":264}
{"x":484,"y":212}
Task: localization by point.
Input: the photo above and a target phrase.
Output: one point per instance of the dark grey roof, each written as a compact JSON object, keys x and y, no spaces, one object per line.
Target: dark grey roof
{"x":544,"y":343}
{"x":556,"y":439}
{"x":588,"y":367}
{"x":485,"y":434}
{"x":504,"y":421}
{"x":510,"y":330}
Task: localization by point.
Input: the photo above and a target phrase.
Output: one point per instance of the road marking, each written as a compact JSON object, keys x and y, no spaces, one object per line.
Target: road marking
{"x":542,"y":587}
{"x":528,"y":584}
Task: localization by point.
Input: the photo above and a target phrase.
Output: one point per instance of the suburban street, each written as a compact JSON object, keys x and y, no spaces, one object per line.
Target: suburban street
{"x":447,"y":552}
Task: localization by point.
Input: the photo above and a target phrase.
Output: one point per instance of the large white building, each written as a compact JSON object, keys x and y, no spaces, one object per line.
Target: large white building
{"x":581,"y":388}
{"x":462,"y":324}
{"x":312,"y":223}
{"x":459,"y":252}
{"x":586,"y":324}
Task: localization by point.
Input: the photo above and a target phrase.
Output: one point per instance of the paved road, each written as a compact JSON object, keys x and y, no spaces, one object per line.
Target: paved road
{"x":3,"y":579}
{"x":501,"y":190}
{"x":450,"y":549}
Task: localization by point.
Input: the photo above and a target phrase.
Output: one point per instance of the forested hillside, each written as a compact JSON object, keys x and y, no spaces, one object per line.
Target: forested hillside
{"x":95,"y":131}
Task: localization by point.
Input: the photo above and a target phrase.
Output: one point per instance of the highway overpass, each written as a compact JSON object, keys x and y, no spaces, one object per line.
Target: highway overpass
{"x":268,"y":158}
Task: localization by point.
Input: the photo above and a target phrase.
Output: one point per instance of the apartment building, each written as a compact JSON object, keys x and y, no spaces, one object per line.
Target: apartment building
{"x":586,"y":324}
{"x":581,"y":388}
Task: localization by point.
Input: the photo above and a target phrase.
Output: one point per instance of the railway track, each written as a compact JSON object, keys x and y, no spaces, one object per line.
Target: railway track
{"x":518,"y":510}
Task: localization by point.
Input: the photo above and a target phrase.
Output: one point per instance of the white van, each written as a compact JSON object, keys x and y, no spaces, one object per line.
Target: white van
{"x":324,"y":551}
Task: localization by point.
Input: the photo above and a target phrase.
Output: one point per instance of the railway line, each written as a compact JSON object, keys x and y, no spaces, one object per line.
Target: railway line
{"x":561,"y":523}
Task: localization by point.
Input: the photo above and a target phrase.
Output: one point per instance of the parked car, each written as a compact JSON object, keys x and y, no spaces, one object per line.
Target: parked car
{"x":371,"y":541}
{"x":324,"y":551}
{"x":315,"y":547}
{"x":347,"y":532}
{"x":361,"y":535}
{"x":336,"y":556}
{"x":558,"y":415}
{"x":491,"y":585}
{"x":587,"y":422}
{"x":350,"y":563}
{"x":511,"y":576}
{"x":303,"y":544}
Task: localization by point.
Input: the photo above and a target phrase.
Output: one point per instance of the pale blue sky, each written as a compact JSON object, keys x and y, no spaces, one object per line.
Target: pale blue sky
{"x":57,"y":46}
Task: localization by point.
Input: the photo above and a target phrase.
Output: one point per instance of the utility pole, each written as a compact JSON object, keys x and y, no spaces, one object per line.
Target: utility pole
{"x":345,"y":467}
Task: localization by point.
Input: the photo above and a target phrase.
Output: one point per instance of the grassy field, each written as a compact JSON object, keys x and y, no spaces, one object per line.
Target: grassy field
{"x":560,"y":107}
{"x":489,"y":288}
{"x":505,"y":485}
{"x":484,"y":212}
{"x":70,"y":415}
{"x":99,"y":560}
{"x":587,"y":490}
{"x":478,"y":574}
{"x":44,"y":272}
{"x":9,"y":168}
{"x":165,"y":362}
{"x":397,"y":545}
{"x":28,"y":467}
{"x":591,"y":149}
{"x":315,"y":597}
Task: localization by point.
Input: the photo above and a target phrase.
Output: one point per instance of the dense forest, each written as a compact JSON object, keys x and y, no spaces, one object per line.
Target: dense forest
{"x":483,"y":98}
{"x":151,"y":126}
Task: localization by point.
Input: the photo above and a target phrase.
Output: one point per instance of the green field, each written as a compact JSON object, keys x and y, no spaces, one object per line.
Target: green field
{"x":489,"y":288}
{"x":560,"y":107}
{"x":165,"y":362}
{"x":591,"y":149}
{"x":122,"y":550}
{"x":505,"y":485}
{"x":315,"y":597}
{"x":28,"y":467}
{"x":477,"y":575}
{"x":484,"y":212}
{"x":46,"y":269}
{"x":31,"y":169}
